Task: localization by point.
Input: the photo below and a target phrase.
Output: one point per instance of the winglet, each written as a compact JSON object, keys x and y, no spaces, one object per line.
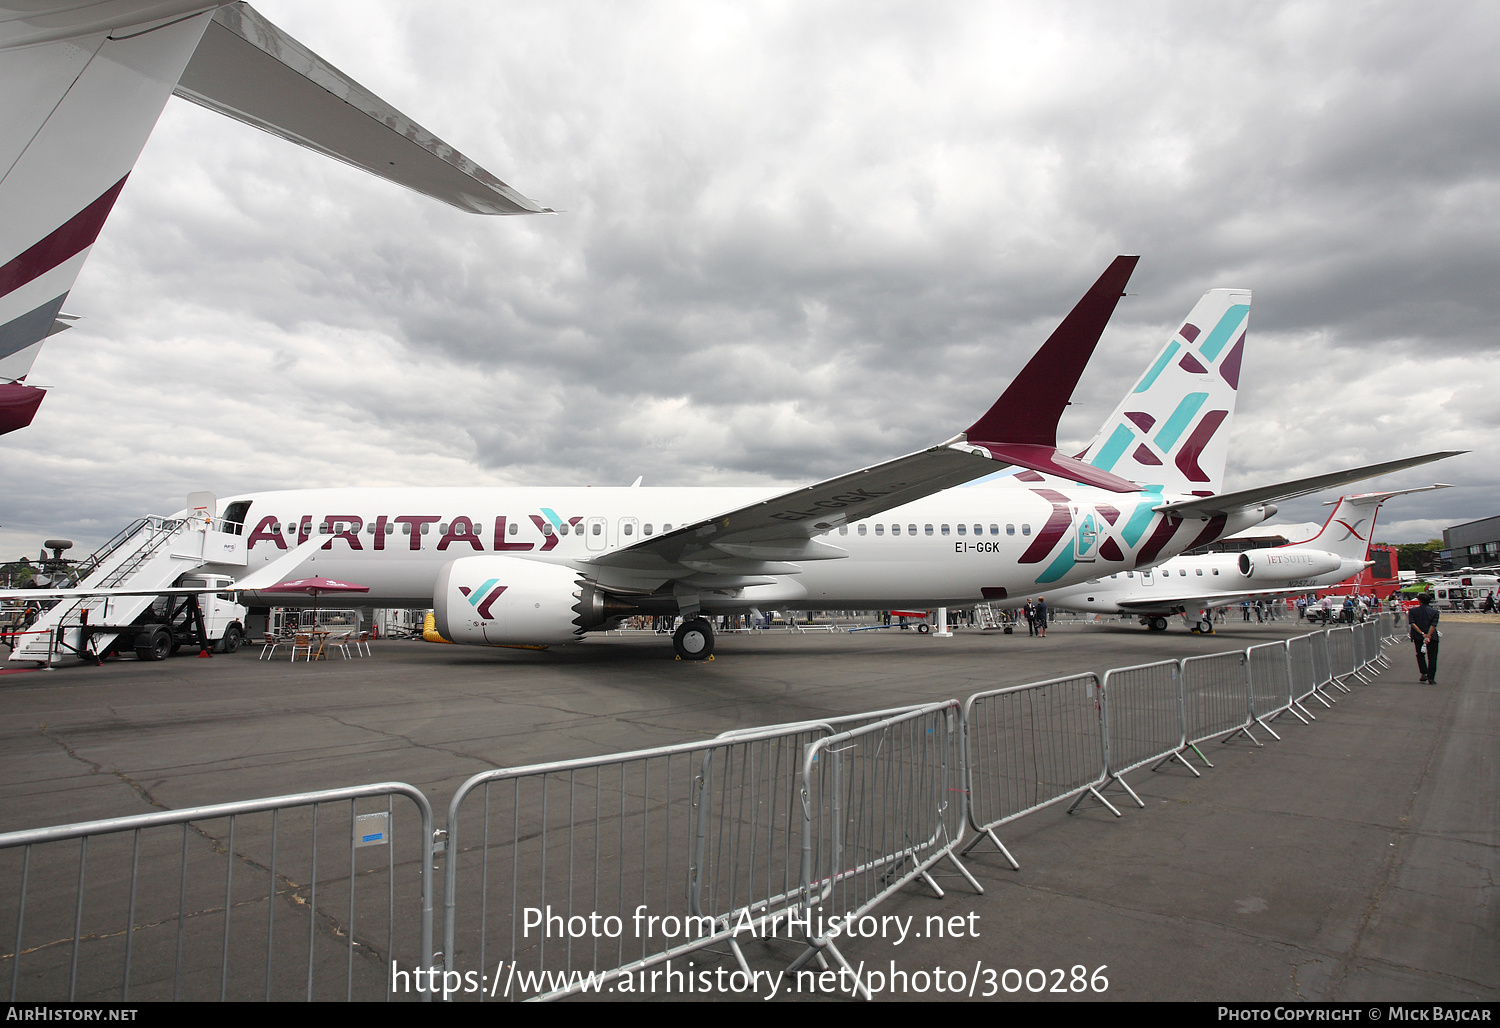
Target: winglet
{"x":1031,"y":406}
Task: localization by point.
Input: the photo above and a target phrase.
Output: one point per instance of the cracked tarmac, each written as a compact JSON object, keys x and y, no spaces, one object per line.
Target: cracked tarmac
{"x":1353,"y":860}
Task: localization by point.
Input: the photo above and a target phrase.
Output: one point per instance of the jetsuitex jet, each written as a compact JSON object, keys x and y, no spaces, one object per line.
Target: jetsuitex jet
{"x":545,"y":566}
{"x":82,"y":83}
{"x":1193,"y":585}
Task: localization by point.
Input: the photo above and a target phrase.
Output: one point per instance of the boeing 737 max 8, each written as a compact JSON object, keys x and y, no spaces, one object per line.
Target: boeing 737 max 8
{"x":544,"y":566}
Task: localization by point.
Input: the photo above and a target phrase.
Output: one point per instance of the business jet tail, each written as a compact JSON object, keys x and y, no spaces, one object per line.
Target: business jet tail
{"x":81,"y":87}
{"x":1172,"y":429}
{"x":1351,"y":527}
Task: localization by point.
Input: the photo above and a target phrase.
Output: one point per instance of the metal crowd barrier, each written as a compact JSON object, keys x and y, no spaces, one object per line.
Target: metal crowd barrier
{"x":240,"y":902}
{"x":1029,"y":746}
{"x":1342,"y":661}
{"x":1304,"y":675}
{"x":577,"y":872}
{"x":1270,"y":683}
{"x":1144,"y":721}
{"x":561,"y":877}
{"x":881,"y":805}
{"x":1216,"y":699}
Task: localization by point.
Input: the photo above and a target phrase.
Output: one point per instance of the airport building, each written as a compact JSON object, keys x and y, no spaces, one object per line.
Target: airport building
{"x":1473,"y":544}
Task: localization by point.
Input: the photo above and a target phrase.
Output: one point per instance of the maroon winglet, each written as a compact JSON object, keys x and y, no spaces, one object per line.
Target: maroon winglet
{"x":1030,"y":407}
{"x":18,"y":404}
{"x":1049,"y":461}
{"x":69,"y":239}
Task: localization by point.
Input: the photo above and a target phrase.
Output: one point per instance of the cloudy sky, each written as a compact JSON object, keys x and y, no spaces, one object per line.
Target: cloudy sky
{"x":798,"y":238}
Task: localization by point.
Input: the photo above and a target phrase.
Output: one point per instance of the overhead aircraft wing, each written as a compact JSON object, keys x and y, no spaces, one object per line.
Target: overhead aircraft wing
{"x":1227,"y":503}
{"x":247,"y":68}
{"x":1020,"y":429}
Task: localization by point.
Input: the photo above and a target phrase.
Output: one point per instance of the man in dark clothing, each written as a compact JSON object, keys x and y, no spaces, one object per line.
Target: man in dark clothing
{"x":1041,"y":616}
{"x":1423,"y":620}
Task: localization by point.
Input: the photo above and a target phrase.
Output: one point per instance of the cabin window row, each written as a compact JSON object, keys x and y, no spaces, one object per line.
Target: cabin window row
{"x":895,"y":529}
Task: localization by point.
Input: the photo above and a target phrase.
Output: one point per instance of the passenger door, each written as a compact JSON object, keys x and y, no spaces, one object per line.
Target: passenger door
{"x":598,"y":536}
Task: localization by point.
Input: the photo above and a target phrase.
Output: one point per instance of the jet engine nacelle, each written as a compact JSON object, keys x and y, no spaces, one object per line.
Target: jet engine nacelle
{"x":507,"y":601}
{"x":1286,"y":565}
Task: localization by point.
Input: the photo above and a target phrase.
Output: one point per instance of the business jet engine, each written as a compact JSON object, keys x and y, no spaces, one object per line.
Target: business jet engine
{"x":1280,"y":565}
{"x":507,"y":601}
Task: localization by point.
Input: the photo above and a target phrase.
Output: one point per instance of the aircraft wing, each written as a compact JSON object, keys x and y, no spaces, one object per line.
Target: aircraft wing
{"x":250,"y":70}
{"x":1145,"y":604}
{"x":1020,"y":429}
{"x":1227,"y":503}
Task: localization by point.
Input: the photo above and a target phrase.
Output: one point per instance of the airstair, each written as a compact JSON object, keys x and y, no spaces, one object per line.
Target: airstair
{"x":152,"y":553}
{"x":988,"y":617}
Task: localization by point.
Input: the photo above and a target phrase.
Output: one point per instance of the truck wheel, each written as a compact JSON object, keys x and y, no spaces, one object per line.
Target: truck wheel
{"x":154,"y":642}
{"x":233,"y":636}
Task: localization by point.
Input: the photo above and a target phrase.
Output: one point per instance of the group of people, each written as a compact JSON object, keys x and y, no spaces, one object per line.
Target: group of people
{"x":1035,"y":612}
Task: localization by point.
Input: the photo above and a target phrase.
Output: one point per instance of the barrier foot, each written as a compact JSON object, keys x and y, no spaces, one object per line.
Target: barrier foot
{"x":1292,"y":710}
{"x":1177,"y":756}
{"x":860,"y":988}
{"x":1297,"y":705}
{"x":739,"y":955}
{"x":973,"y":882}
{"x":932,"y":884}
{"x":1317,"y":694}
{"x":1091,"y":791}
{"x":1126,"y":786}
{"x":814,"y":951}
{"x":989,"y":833}
{"x":1268,"y":728}
{"x":1194,"y":747}
{"x":1339,"y":685}
{"x":1247,"y":734}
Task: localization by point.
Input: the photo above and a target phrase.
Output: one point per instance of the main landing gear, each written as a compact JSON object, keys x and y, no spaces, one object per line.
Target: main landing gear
{"x":1156,"y":624}
{"x":694,"y":640}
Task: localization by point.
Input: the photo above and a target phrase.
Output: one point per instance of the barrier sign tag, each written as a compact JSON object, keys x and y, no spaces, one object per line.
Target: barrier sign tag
{"x":372,"y":829}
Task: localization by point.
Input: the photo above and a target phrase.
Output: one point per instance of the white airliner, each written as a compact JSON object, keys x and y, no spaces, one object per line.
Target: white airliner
{"x":544,"y":566}
{"x":82,"y":83}
{"x":1193,"y":585}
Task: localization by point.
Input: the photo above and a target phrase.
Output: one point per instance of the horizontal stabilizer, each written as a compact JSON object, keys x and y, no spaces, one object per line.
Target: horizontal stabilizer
{"x":1229,"y":503}
{"x":252,"y":71}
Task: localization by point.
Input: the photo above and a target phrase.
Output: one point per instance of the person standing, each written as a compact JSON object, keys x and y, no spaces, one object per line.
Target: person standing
{"x":1041,"y":616}
{"x":1423,"y":620}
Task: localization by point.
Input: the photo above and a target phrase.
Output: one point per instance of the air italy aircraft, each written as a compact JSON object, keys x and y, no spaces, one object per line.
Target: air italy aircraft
{"x":544,"y":566}
{"x":82,"y":83}
{"x":1193,"y":586}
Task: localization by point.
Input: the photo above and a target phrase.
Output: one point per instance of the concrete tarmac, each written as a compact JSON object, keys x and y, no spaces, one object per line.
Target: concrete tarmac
{"x":1355,"y":859}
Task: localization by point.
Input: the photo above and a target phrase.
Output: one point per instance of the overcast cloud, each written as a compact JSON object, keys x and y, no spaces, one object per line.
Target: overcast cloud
{"x":798,"y":238}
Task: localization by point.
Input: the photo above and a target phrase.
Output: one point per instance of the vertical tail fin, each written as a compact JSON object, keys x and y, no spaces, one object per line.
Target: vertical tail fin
{"x":76,"y":107}
{"x":1350,"y":529}
{"x":1172,"y":428}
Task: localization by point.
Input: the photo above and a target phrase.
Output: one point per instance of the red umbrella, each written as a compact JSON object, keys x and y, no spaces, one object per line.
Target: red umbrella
{"x":313,"y":586}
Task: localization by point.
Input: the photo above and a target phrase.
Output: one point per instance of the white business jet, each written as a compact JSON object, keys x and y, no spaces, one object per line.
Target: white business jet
{"x":1193,"y":585}
{"x":82,"y":83}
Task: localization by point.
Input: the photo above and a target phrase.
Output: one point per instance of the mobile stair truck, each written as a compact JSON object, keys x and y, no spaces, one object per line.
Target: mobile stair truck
{"x":170,"y":554}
